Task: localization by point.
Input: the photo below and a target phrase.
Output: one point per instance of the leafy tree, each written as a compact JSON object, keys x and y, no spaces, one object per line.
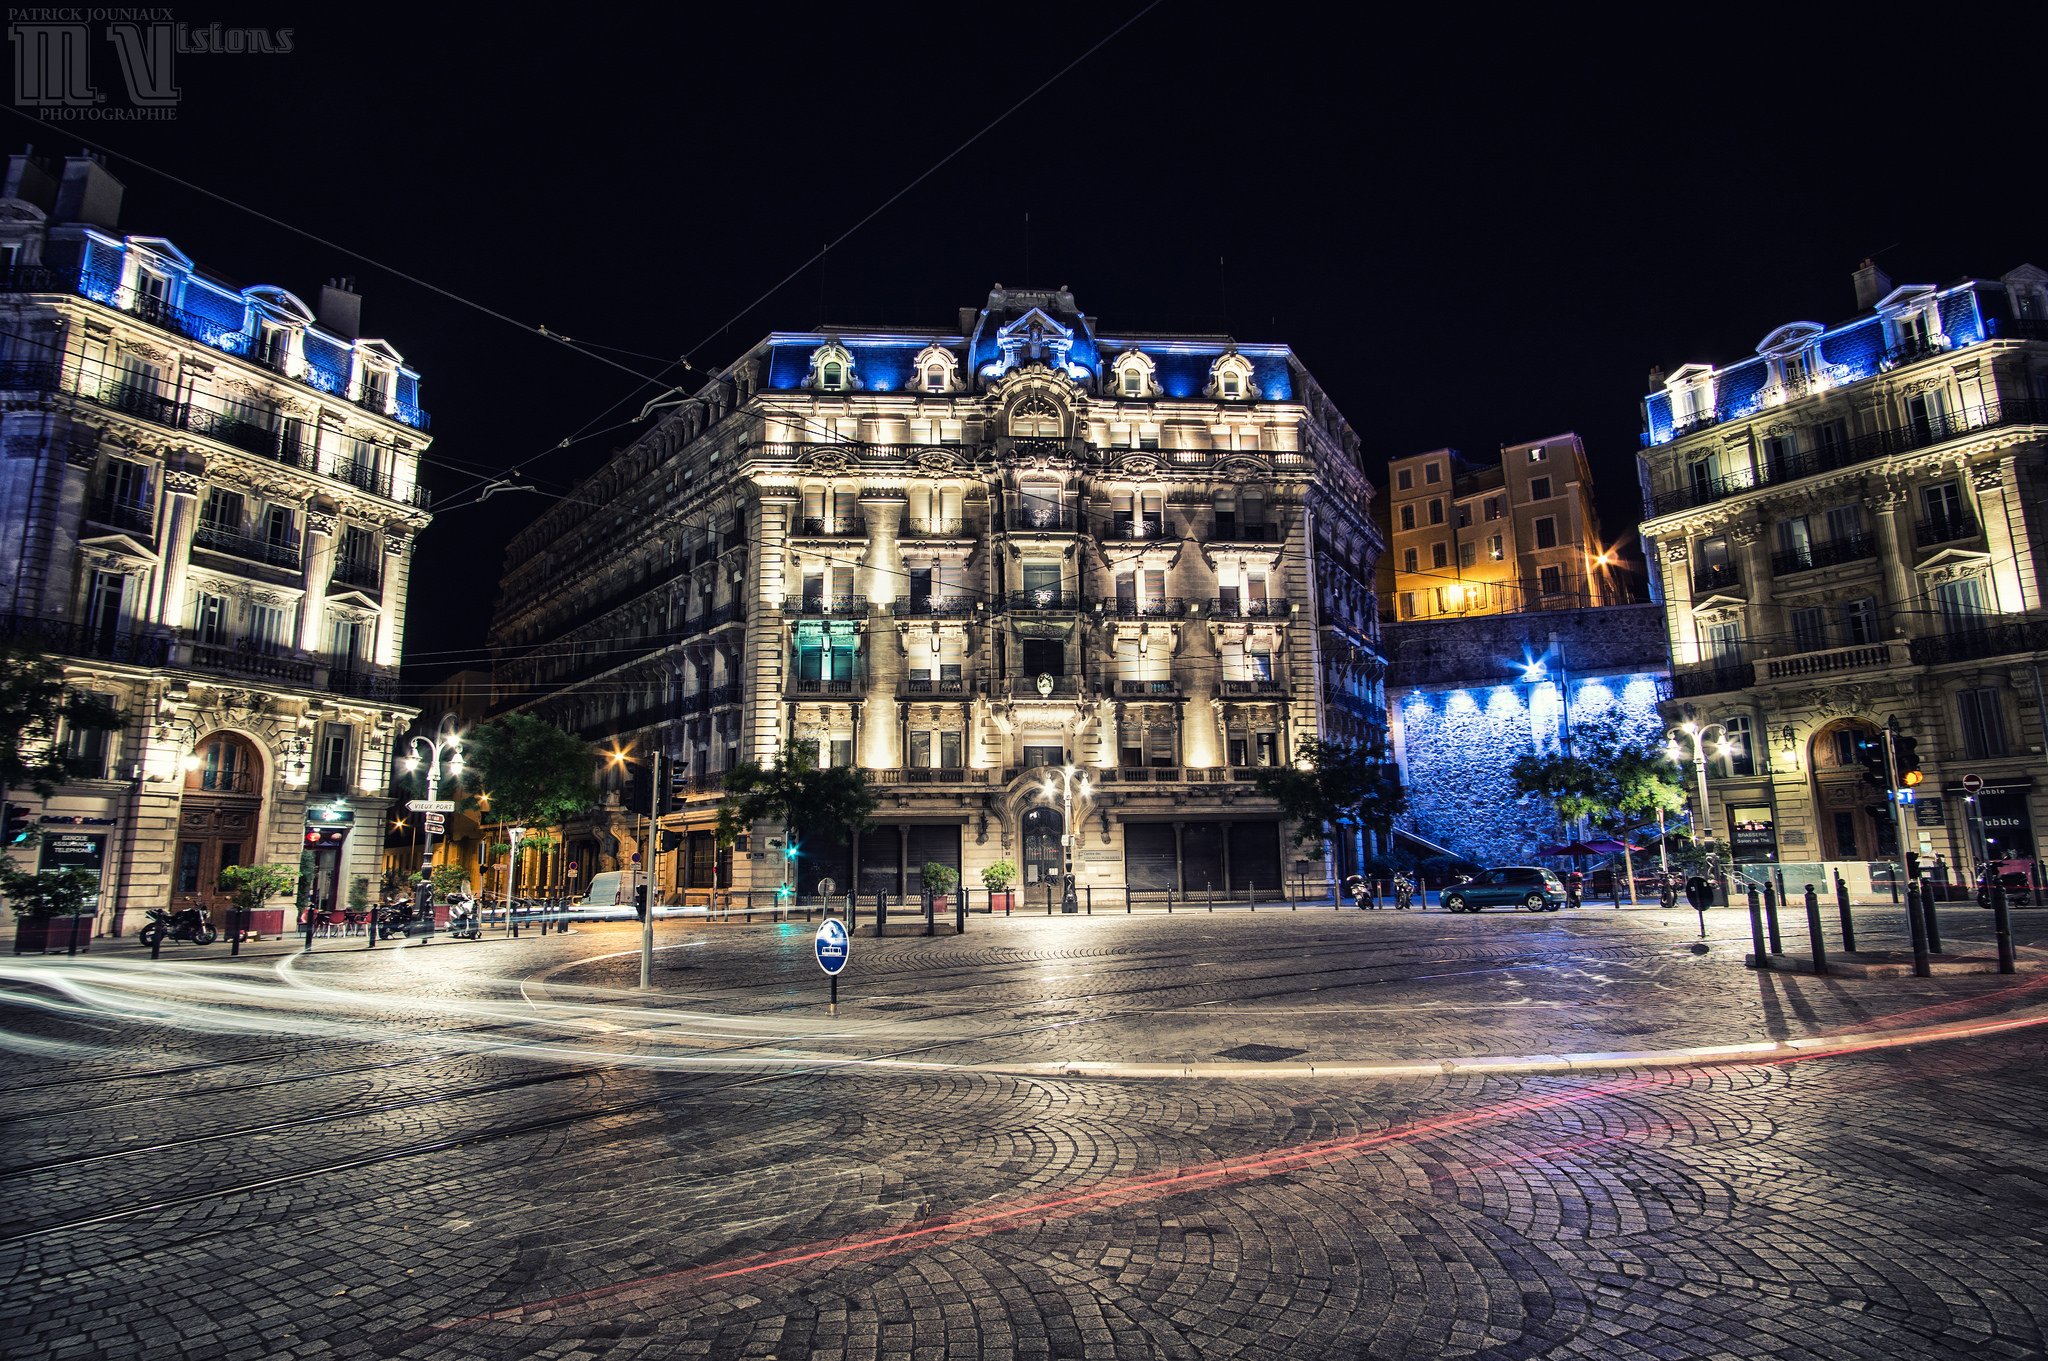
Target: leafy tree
{"x":59,"y":893}
{"x":449,"y":879}
{"x":535,"y":773}
{"x":1611,"y":781}
{"x":1331,"y":783}
{"x":796,"y":792}
{"x":33,"y":700}
{"x":249,"y":887}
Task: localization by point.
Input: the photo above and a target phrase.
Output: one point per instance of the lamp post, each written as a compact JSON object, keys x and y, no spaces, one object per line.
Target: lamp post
{"x":647,"y":860}
{"x":1708,"y":741}
{"x":447,"y":740}
{"x":1068,"y":776}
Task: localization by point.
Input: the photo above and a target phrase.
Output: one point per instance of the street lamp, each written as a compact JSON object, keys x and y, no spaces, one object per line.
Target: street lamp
{"x":1069,"y":777}
{"x":647,"y":857}
{"x":446,"y":741}
{"x":1709,"y":742}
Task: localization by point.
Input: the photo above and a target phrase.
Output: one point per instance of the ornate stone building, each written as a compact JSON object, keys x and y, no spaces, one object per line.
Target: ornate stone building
{"x":955,"y":557}
{"x":1849,"y":526}
{"x":209,"y":497}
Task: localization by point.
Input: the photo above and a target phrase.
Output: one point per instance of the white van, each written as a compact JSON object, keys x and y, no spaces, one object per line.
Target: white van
{"x":607,"y":891}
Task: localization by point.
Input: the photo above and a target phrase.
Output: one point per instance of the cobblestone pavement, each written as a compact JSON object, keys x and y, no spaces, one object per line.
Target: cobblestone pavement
{"x":503,"y":1149}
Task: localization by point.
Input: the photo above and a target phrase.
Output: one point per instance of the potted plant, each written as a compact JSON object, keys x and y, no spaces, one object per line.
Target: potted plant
{"x":51,"y":909}
{"x":938,"y":880}
{"x":997,"y":879}
{"x":448,"y":881}
{"x":250,"y":887}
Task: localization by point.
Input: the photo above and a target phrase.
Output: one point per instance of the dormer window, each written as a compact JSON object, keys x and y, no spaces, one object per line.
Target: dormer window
{"x":831,"y":368}
{"x":831,"y":376}
{"x":1134,"y":383}
{"x":1134,"y":375}
{"x":273,"y":346}
{"x":934,"y":378}
{"x":1230,"y":378}
{"x":1230,"y":386}
{"x":376,"y":388}
{"x":937,"y":369}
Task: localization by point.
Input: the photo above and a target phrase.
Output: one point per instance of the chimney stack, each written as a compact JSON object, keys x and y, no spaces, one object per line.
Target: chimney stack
{"x":29,"y":180}
{"x":1872,"y":284}
{"x":88,"y":193}
{"x":341,"y":308}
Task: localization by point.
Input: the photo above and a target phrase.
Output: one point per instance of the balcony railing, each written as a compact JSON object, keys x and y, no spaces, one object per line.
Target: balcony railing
{"x":1248,"y":609}
{"x":1962,"y":644}
{"x":832,"y":527}
{"x":1042,"y":520}
{"x":1166,"y":608}
{"x":66,"y":638}
{"x":928,"y":685}
{"x":824,"y":606}
{"x":936,"y":529}
{"x":1909,"y":351}
{"x":933,"y":775}
{"x":1026,"y":687}
{"x":1131,"y":529}
{"x":368,"y":576}
{"x":728,"y":693}
{"x":137,"y":516}
{"x":1243,"y":688}
{"x":1905,"y":439}
{"x":1711,"y":678}
{"x":1165,"y":688}
{"x":1716,"y":578}
{"x":362,"y":684}
{"x":1828,"y":661}
{"x":948,"y":607}
{"x":2016,"y":328}
{"x":223,"y":781}
{"x":247,"y":546}
{"x":1227,"y":532}
{"x":875,"y":455}
{"x":1830,"y":553}
{"x":250,"y":659}
{"x":1944,"y":529}
{"x":1043,"y":599}
{"x":847,"y":686}
{"x":28,"y":377}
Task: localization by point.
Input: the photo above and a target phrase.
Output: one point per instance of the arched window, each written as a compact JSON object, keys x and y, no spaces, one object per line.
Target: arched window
{"x":1230,"y":386}
{"x":222,"y":764}
{"x":1035,"y":418}
{"x":831,"y":376}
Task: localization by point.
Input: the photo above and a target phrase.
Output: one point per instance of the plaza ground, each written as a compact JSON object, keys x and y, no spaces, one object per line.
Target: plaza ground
{"x":1281,"y":1134}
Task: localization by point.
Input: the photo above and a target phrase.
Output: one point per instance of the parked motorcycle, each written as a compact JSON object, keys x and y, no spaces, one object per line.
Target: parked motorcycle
{"x":464,"y":921}
{"x":189,"y":924}
{"x":400,"y":919}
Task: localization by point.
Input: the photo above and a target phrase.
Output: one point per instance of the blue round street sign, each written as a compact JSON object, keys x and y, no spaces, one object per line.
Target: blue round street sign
{"x":832,"y":945}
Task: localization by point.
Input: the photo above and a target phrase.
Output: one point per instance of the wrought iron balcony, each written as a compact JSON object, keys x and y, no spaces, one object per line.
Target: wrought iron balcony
{"x":936,"y":529}
{"x":844,"y":687}
{"x":368,"y":576}
{"x":1962,"y":644}
{"x":1133,"y":529}
{"x":1228,"y":531}
{"x":28,"y":377}
{"x":1042,"y":520}
{"x":259,"y":660}
{"x":1165,"y":608}
{"x":1026,"y":687}
{"x":1043,"y":600}
{"x":67,"y":638}
{"x":2015,"y":328}
{"x":139,"y":400}
{"x":1241,"y":689}
{"x":1831,"y":553}
{"x":362,"y":684}
{"x":1944,"y":529}
{"x":832,"y":527}
{"x":283,"y":442}
{"x":1909,"y":352}
{"x":218,"y":540}
{"x":1863,"y":449}
{"x":137,"y":516}
{"x":1248,"y":609}
{"x":729,"y":693}
{"x":948,"y":607}
{"x":929,"y":685}
{"x":826,"y":606}
{"x":1711,"y":678}
{"x":1160,"y":688}
{"x":1720,"y":577}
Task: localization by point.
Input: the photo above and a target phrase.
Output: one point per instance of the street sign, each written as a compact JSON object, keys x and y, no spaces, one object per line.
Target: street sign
{"x":827,"y":887}
{"x":432,"y":805}
{"x":436,"y":823}
{"x":832,"y":945}
{"x":636,"y":857}
{"x":1972,"y":783}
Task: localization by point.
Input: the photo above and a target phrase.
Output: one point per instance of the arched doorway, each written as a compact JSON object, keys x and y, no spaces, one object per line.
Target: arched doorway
{"x":1043,"y":827}
{"x":220,"y":817}
{"x":1849,"y":812}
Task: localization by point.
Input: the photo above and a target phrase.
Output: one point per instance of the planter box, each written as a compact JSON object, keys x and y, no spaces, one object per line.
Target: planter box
{"x":1005,"y":901}
{"x":40,"y":935}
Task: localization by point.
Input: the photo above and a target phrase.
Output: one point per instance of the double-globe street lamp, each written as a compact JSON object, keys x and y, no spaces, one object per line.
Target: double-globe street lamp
{"x":1709,"y":742}
{"x":446,"y":741}
{"x":1070,"y":777}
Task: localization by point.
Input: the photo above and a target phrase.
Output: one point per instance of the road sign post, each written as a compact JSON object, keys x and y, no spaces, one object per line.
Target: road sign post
{"x":833,"y":947}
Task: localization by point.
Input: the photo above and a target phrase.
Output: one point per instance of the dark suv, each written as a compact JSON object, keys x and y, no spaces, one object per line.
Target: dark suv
{"x":1525,"y":886}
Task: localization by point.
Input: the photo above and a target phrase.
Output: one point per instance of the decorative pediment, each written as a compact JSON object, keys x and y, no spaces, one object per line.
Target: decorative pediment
{"x":831,"y":369}
{"x":937,"y":369}
{"x":1034,"y":337}
{"x":1790,"y":338}
{"x":1230,"y":378}
{"x":278,"y":304}
{"x":1135,"y":375}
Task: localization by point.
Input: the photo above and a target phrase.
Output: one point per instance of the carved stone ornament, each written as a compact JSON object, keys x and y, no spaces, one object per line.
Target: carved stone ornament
{"x":80,"y":454}
{"x":937,"y":464}
{"x":1745,"y":535}
{"x":827,"y":461}
{"x":1677,"y":551}
{"x":1987,"y":477}
{"x":321,"y":522}
{"x":1138,"y":465}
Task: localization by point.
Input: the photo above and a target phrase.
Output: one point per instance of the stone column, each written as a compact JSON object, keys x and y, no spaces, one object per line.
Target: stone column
{"x":318,"y":563}
{"x":391,"y":600}
{"x":1892,"y":511}
{"x":174,"y":545}
{"x":1676,"y":560}
{"x":1764,"y":614}
{"x":881,"y":579}
{"x":2013,"y":584}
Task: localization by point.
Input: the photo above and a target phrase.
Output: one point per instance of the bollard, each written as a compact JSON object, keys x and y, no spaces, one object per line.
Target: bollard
{"x":1169,"y":900}
{"x":309,"y":933}
{"x":2001,"y":917}
{"x":1088,"y":892}
{"x":1127,"y":900}
{"x":1820,"y":949}
{"x":1918,"y":928}
{"x":1848,"y":922}
{"x":881,"y":912}
{"x":1209,"y":896}
{"x":156,"y":945}
{"x":1756,"y":931}
{"x":1927,"y":901}
{"x":1249,"y":901}
{"x":235,"y":935}
{"x":960,"y":914}
{"x":931,"y":921}
{"x":1771,"y":918}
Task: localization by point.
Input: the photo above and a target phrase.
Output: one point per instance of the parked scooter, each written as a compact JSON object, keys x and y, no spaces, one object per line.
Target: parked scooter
{"x":464,"y":921}
{"x":1404,"y":893}
{"x":397,"y":919}
{"x":185,"y":924}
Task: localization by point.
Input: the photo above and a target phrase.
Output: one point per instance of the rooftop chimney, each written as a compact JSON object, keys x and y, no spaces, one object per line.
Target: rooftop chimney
{"x":1872,"y":284}
{"x":89,"y":194}
{"x":341,"y":308}
{"x":29,"y":180}
{"x":1656,"y":377}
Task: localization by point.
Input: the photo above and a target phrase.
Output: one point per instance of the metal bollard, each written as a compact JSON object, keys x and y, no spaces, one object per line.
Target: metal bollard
{"x":1771,"y":918}
{"x":2001,"y":917}
{"x":156,"y":945}
{"x":960,"y":914}
{"x":309,"y":933}
{"x":1918,"y":928}
{"x":1820,"y":949}
{"x":1169,"y":900}
{"x":1927,"y":901}
{"x":1209,"y":895}
{"x":1756,"y":930}
{"x":881,"y":912}
{"x":1088,"y":893}
{"x":1848,"y":922}
{"x":931,"y":921}
{"x":1249,"y":901}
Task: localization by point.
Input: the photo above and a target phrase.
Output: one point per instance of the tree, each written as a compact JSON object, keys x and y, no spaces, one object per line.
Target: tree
{"x":58,"y":893}
{"x":449,"y":880}
{"x":1611,"y":781}
{"x":33,"y":701}
{"x":1331,"y":783}
{"x":534,"y":772}
{"x":797,"y":793}
{"x":249,"y":887}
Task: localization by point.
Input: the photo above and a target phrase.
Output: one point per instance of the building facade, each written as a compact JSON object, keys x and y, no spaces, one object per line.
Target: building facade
{"x":209,"y":496}
{"x":964,"y":559}
{"x":1521,"y":534}
{"x":1849,"y":526}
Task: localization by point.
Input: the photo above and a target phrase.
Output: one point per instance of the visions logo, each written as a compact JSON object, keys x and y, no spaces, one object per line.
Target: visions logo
{"x":54,"y":50}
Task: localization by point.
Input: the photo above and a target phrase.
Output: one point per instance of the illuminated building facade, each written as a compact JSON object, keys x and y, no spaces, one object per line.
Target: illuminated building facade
{"x":1849,"y":526}
{"x":209,"y":499}
{"x":1522,"y":534}
{"x":954,"y":557}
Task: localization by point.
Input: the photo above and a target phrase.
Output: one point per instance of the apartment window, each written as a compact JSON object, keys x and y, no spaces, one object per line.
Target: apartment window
{"x":1436,"y":511}
{"x":1496,"y":548}
{"x":1539,"y":489}
{"x":1433,"y":473}
{"x":1809,"y":629}
{"x":1044,"y":756}
{"x":334,"y":753}
{"x":1844,"y":523}
{"x":1777,"y":455}
{"x":1712,"y":556}
{"x":126,"y":484}
{"x":1551,"y":580}
{"x":348,"y":643}
{"x":1942,"y":503}
{"x":1983,"y":722}
{"x":1739,"y":747}
{"x":1927,"y":413}
{"x":1859,"y":621}
{"x":1439,"y":555}
{"x":1230,"y":386}
{"x":1538,"y":454}
{"x":1405,"y":479}
{"x":1721,"y":641}
{"x":1464,"y":517}
{"x":222,"y":510}
{"x":1134,"y":382}
{"x":1468,"y":554}
{"x":1700,"y":473}
{"x":832,"y":376}
{"x":1546,"y":531}
{"x":1407,"y":604}
{"x":273,"y":345}
{"x":104,"y":595}
{"x":935,"y":378}
{"x":950,"y":751}
{"x":1409,"y":561}
{"x":1795,"y":541}
{"x":86,"y":748}
{"x":267,"y":628}
{"x":1493,"y":507}
{"x":1266,"y":748}
{"x":1407,"y":517}
{"x":210,"y":619}
{"x":1961,"y":603}
{"x":376,"y":387}
{"x":278,"y":526}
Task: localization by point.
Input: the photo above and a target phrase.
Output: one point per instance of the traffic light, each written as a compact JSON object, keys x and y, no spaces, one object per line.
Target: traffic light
{"x":1870,"y":751}
{"x":18,"y":827}
{"x":325,"y":836}
{"x":789,"y":851}
{"x":1906,"y":751}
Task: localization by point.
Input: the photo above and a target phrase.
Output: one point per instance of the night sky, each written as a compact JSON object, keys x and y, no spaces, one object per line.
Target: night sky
{"x":1471,"y":236}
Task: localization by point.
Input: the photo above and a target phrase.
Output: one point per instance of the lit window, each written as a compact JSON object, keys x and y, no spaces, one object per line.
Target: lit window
{"x":935,"y":378}
{"x":1134,"y":383}
{"x":831,"y":376}
{"x":1538,"y":454}
{"x":1230,"y":387}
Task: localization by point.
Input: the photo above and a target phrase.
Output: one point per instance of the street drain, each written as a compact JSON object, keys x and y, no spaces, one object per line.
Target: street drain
{"x":900,"y":1006}
{"x":1259,"y":1053}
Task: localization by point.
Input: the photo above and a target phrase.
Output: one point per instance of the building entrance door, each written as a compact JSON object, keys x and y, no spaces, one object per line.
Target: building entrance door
{"x":218,"y":820}
{"x":1042,"y":851}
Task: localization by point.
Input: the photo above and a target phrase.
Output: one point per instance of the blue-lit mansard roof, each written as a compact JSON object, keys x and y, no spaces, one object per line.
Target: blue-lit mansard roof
{"x":882,"y":361}
{"x":1970,"y":312}
{"x":229,"y":320}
